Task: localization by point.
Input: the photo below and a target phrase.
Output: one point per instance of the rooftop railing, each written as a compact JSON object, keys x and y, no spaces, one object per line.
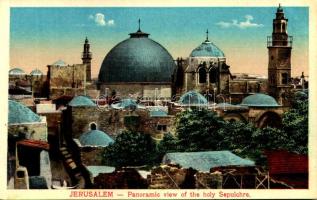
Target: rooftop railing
{"x":284,"y":43}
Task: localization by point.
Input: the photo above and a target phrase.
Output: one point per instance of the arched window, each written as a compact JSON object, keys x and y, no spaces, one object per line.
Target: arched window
{"x":213,"y":75}
{"x":93,"y":126}
{"x":202,"y":75}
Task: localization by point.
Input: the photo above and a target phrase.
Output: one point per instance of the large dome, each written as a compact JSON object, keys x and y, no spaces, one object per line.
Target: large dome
{"x":137,"y":59}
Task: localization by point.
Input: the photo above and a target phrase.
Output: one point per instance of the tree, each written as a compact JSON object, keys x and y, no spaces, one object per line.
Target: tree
{"x":295,"y":124}
{"x":197,"y":130}
{"x":236,"y":137}
{"x":168,"y":144}
{"x":131,"y":149}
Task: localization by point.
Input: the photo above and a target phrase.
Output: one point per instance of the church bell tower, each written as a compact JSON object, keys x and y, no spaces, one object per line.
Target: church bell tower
{"x":86,"y":57}
{"x":279,"y":68}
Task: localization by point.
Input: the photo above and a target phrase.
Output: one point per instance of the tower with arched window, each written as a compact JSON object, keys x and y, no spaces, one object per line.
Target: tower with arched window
{"x":279,"y":67}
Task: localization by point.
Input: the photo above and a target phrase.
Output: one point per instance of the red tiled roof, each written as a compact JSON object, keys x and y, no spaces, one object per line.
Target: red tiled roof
{"x":35,"y":144}
{"x":284,"y":162}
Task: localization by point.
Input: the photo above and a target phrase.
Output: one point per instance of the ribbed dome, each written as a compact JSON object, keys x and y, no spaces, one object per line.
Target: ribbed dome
{"x":192,"y":97}
{"x":95,"y":138}
{"x":36,"y":72}
{"x":81,"y":101}
{"x":19,"y":113}
{"x":207,"y":49}
{"x":137,"y":59}
{"x":16,"y":71}
{"x":259,"y":100}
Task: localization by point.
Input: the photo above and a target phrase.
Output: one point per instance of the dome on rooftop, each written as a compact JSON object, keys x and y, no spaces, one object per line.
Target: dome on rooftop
{"x":16,"y":71}
{"x":81,"y":101}
{"x":259,"y":100}
{"x":36,"y":72}
{"x":126,"y":104}
{"x":95,"y":138}
{"x":192,"y":97}
{"x":137,"y":59}
{"x":19,"y":113}
{"x":207,"y":49}
{"x":60,"y":63}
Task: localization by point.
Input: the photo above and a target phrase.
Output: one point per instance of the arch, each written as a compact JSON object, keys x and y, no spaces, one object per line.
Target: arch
{"x":213,"y":75}
{"x":93,"y":126}
{"x":271,"y":119}
{"x":202,"y":75}
{"x":233,"y":117}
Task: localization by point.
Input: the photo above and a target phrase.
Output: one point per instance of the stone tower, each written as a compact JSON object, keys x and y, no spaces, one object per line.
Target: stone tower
{"x":86,"y":57}
{"x":279,"y":68}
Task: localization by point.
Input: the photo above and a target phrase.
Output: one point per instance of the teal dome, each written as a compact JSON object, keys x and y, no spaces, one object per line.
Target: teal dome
{"x":95,"y":138}
{"x":157,"y":112}
{"x":207,"y":49}
{"x":81,"y":101}
{"x":259,"y":100}
{"x":126,"y":104}
{"x":19,"y":113}
{"x":192,"y":97}
{"x":137,"y":59}
{"x":36,"y":72}
{"x":16,"y":71}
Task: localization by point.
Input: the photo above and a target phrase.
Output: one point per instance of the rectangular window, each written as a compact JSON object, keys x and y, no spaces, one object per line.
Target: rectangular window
{"x":284,"y":78}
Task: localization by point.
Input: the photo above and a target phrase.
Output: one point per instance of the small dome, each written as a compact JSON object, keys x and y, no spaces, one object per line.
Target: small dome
{"x":95,"y":138}
{"x":192,"y":97}
{"x":207,"y":49}
{"x":36,"y":72}
{"x":19,"y":113}
{"x":81,"y":101}
{"x":158,"y":112}
{"x":16,"y":71}
{"x":126,"y":104}
{"x":60,"y":63}
{"x":137,"y":59}
{"x":259,"y":100}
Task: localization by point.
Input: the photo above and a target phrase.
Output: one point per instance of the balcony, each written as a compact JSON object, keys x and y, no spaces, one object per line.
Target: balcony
{"x":280,"y":43}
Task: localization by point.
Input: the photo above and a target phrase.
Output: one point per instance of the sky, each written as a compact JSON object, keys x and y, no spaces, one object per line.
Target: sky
{"x":41,"y":36}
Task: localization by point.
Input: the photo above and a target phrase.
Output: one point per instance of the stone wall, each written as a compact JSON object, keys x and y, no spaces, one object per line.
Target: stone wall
{"x":67,"y":80}
{"x":112,"y":122}
{"x":53,"y":119}
{"x":35,"y":131}
{"x":145,"y":90}
{"x":91,"y":155}
{"x":208,"y":180}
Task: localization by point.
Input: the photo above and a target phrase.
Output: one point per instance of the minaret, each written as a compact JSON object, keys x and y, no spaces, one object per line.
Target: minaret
{"x":86,"y":57}
{"x":279,"y":68}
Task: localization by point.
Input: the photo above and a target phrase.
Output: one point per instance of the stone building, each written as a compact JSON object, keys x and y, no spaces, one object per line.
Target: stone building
{"x":27,"y":148}
{"x":66,"y":79}
{"x":279,"y":69}
{"x":260,"y":109}
{"x":82,"y":112}
{"x":137,"y":66}
{"x":206,"y":69}
{"x":91,"y":145}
